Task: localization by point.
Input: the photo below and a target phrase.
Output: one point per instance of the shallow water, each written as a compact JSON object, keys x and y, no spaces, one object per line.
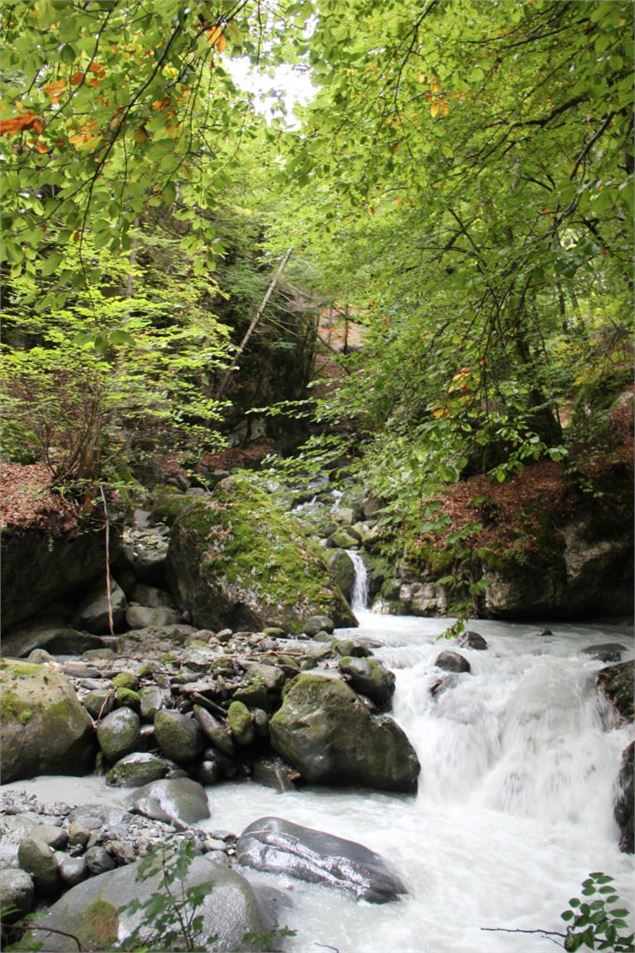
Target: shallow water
{"x":514,"y":807}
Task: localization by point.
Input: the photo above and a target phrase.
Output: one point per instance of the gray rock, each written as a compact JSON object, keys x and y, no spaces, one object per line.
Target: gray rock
{"x":263,"y":688}
{"x":152,"y":701}
{"x":99,"y":702}
{"x":352,"y":647}
{"x":56,"y":637}
{"x":16,"y":894}
{"x":452,"y":662}
{"x":179,"y":801}
{"x":472,"y":640}
{"x":278,"y":846}
{"x":92,"y":613}
{"x":141,"y":617}
{"x":152,"y":597}
{"x":98,"y":861}
{"x":606,"y":652}
{"x":318,"y":623}
{"x":149,"y":566}
{"x":369,"y":677}
{"x":275,"y":773}
{"x":137,"y":769}
{"x":98,"y":655}
{"x":38,"y":859}
{"x":325,"y":731}
{"x":119,"y":733}
{"x":155,"y":642}
{"x":343,"y":571}
{"x":90,"y":910}
{"x":178,"y":736}
{"x":617,"y":682}
{"x":214,"y":731}
{"x":625,"y":800}
{"x":209,"y":772}
{"x":72,"y":870}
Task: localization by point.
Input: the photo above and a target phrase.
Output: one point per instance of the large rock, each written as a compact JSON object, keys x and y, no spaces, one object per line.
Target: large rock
{"x":343,"y":571}
{"x":178,"y":736}
{"x":369,"y":677}
{"x":143,"y":617}
{"x":452,"y":662}
{"x":237,"y":559}
{"x":93,"y":612}
{"x":137,"y":769}
{"x":50,"y":634}
{"x":119,"y":733}
{"x":617,"y":683}
{"x":40,"y":565}
{"x":625,"y":800}
{"x":92,"y":911}
{"x":325,"y":731}
{"x":278,"y":846}
{"x":16,"y":894}
{"x":43,"y":728}
{"x":179,"y":801}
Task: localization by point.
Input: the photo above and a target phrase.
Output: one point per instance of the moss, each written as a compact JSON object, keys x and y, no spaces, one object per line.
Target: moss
{"x":125,"y":680}
{"x":19,"y":669}
{"x":127,"y":697}
{"x":25,"y":716}
{"x":101,"y":923}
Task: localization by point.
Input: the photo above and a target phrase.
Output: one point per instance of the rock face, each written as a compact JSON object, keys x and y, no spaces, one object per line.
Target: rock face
{"x":325,"y":731}
{"x":617,"y":683}
{"x":44,"y":729}
{"x":624,"y":803}
{"x":38,"y":568}
{"x":237,"y":559}
{"x":179,"y":800}
{"x":278,"y":846}
{"x":91,"y":911}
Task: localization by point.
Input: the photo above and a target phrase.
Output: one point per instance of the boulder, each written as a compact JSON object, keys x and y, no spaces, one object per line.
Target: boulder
{"x":14,"y":828}
{"x":93,"y":911}
{"x":213,"y":730}
{"x":178,"y":801}
{"x":71,"y":869}
{"x":606,"y":651}
{"x":38,"y":860}
{"x":318,"y":623}
{"x":237,"y":559}
{"x":99,"y":702}
{"x":119,"y":733}
{"x":278,"y":846}
{"x":178,"y":736}
{"x":472,"y":640}
{"x":16,"y":894}
{"x":369,"y":677}
{"x":263,"y":688}
{"x":625,"y":800}
{"x":98,"y":860}
{"x":452,"y":662}
{"x":92,"y":613}
{"x":137,"y":769}
{"x":342,"y":570}
{"x":241,"y":723}
{"x":274,"y":773}
{"x":325,"y":731}
{"x":43,"y":727}
{"x":142,"y":617}
{"x":151,"y":596}
{"x":50,"y":634}
{"x":343,"y":539}
{"x":617,"y":682}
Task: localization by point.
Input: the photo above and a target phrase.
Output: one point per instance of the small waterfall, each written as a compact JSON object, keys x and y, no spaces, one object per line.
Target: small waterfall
{"x":359,"y":599}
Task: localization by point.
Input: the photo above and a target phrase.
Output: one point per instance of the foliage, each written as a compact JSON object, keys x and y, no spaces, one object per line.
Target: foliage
{"x":597,"y":921}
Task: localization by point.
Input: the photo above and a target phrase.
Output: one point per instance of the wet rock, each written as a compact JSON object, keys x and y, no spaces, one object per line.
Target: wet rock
{"x":155,"y":642}
{"x":56,"y":637}
{"x":92,"y":613}
{"x":99,"y":702}
{"x":318,"y":623}
{"x":151,"y":700}
{"x":141,"y":617}
{"x":213,"y":730}
{"x":606,"y":651}
{"x":178,"y":736}
{"x":275,"y":773}
{"x":625,"y":800}
{"x":241,"y":723}
{"x":43,"y":728}
{"x":278,"y":846}
{"x":209,"y":772}
{"x":90,"y":910}
{"x":452,"y":662}
{"x":617,"y":683}
{"x":119,"y":733}
{"x":352,"y":647}
{"x":472,"y":640}
{"x":263,"y":688}
{"x":369,"y":677}
{"x":178,"y":801}
{"x":343,"y":571}
{"x":38,"y":860}
{"x":98,"y":861}
{"x":325,"y":731}
{"x":16,"y":894}
{"x":72,"y":870}
{"x":342,"y":539}
{"x":137,"y":769}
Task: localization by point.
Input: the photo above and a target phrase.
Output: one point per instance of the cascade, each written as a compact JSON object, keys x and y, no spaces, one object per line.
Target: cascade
{"x":359,"y":598}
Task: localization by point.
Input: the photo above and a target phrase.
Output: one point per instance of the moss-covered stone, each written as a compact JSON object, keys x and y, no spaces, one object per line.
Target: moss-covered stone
{"x":369,"y":677}
{"x":241,"y":723}
{"x":178,"y":736}
{"x":43,"y":728}
{"x":238,"y":559}
{"x":119,"y":733}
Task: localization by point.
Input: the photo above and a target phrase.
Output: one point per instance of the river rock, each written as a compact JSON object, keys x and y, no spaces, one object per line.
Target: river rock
{"x":342,"y":570}
{"x":472,"y":640}
{"x":318,"y":623}
{"x":50,"y":634}
{"x":625,"y":800}
{"x":151,"y":700}
{"x":119,"y":733}
{"x":617,"y":683}
{"x":99,"y":702}
{"x":178,"y":736}
{"x":98,"y":860}
{"x":213,"y":730}
{"x":275,"y":773}
{"x":369,"y":677}
{"x":452,"y":662}
{"x":264,"y":571}
{"x":71,"y":869}
{"x":43,"y":727}
{"x":606,"y":652}
{"x":137,"y":769}
{"x":263,"y":688}
{"x":16,"y":894}
{"x":241,"y":723}
{"x":278,"y":846}
{"x":325,"y":731}
{"x":38,"y":859}
{"x":142,"y":617}
{"x":92,"y":613}
{"x":178,"y":801}
{"x":343,"y":539}
{"x":151,"y":596}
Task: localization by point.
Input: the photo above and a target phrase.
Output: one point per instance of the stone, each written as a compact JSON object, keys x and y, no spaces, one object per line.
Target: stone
{"x":275,"y":773}
{"x":452,"y":662}
{"x":98,"y":861}
{"x":151,"y":701}
{"x":241,"y":723}
{"x":472,"y":640}
{"x":278,"y":846}
{"x":178,"y":736}
{"x":369,"y":677}
{"x":213,"y":730}
{"x":264,"y":571}
{"x":149,"y":566}
{"x":617,"y":682}
{"x":351,"y":647}
{"x":98,"y":655}
{"x":342,"y":570}
{"x":209,"y":772}
{"x":342,"y":539}
{"x":325,"y":731}
{"x":99,"y":702}
{"x":371,"y":507}
{"x":43,"y":727}
{"x":38,"y":860}
{"x":15,"y":828}
{"x":151,"y":596}
{"x":263,"y":688}
{"x":318,"y":623}
{"x":137,"y":769}
{"x":16,"y":894}
{"x":92,"y":613}
{"x":606,"y":651}
{"x":119,"y":733}
{"x":72,"y":870}
{"x":92,"y":911}
{"x":56,"y":637}
{"x":625,"y":800}
{"x":178,"y":801}
{"x":155,"y":642}
{"x":141,"y":617}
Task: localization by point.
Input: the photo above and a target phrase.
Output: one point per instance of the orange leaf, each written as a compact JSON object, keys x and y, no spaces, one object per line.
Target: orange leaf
{"x":94,"y":83}
{"x":54,"y":89}
{"x":77,"y":78}
{"x":37,"y":126}
{"x":98,"y":68}
{"x":221,"y":44}
{"x":161,"y":103}
{"x":18,"y":123}
{"x":213,"y":34}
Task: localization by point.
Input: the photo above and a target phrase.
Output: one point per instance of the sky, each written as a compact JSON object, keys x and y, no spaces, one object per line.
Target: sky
{"x":292,"y":84}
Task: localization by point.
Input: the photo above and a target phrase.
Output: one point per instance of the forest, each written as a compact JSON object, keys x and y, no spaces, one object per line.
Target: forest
{"x":317,"y":470}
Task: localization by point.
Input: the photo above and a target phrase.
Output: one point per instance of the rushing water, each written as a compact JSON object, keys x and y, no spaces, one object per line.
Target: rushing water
{"x":359,"y":598}
{"x":514,"y":806}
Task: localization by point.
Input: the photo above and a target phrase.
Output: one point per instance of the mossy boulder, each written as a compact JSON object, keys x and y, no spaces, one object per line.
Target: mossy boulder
{"x":325,"y":731}
{"x":343,"y":570}
{"x":369,"y":677}
{"x":119,"y":733}
{"x":241,"y":723}
{"x":617,"y":683}
{"x":136,"y":769}
{"x":236,"y":558}
{"x":178,"y":736}
{"x":43,"y":727}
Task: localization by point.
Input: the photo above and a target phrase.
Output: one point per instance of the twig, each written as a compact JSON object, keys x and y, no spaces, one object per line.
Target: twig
{"x":71,"y":936}
{"x":325,"y":946}
{"x":111,"y":625}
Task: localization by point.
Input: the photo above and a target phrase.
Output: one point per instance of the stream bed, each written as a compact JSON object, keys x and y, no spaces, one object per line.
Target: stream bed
{"x":515,"y":803}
